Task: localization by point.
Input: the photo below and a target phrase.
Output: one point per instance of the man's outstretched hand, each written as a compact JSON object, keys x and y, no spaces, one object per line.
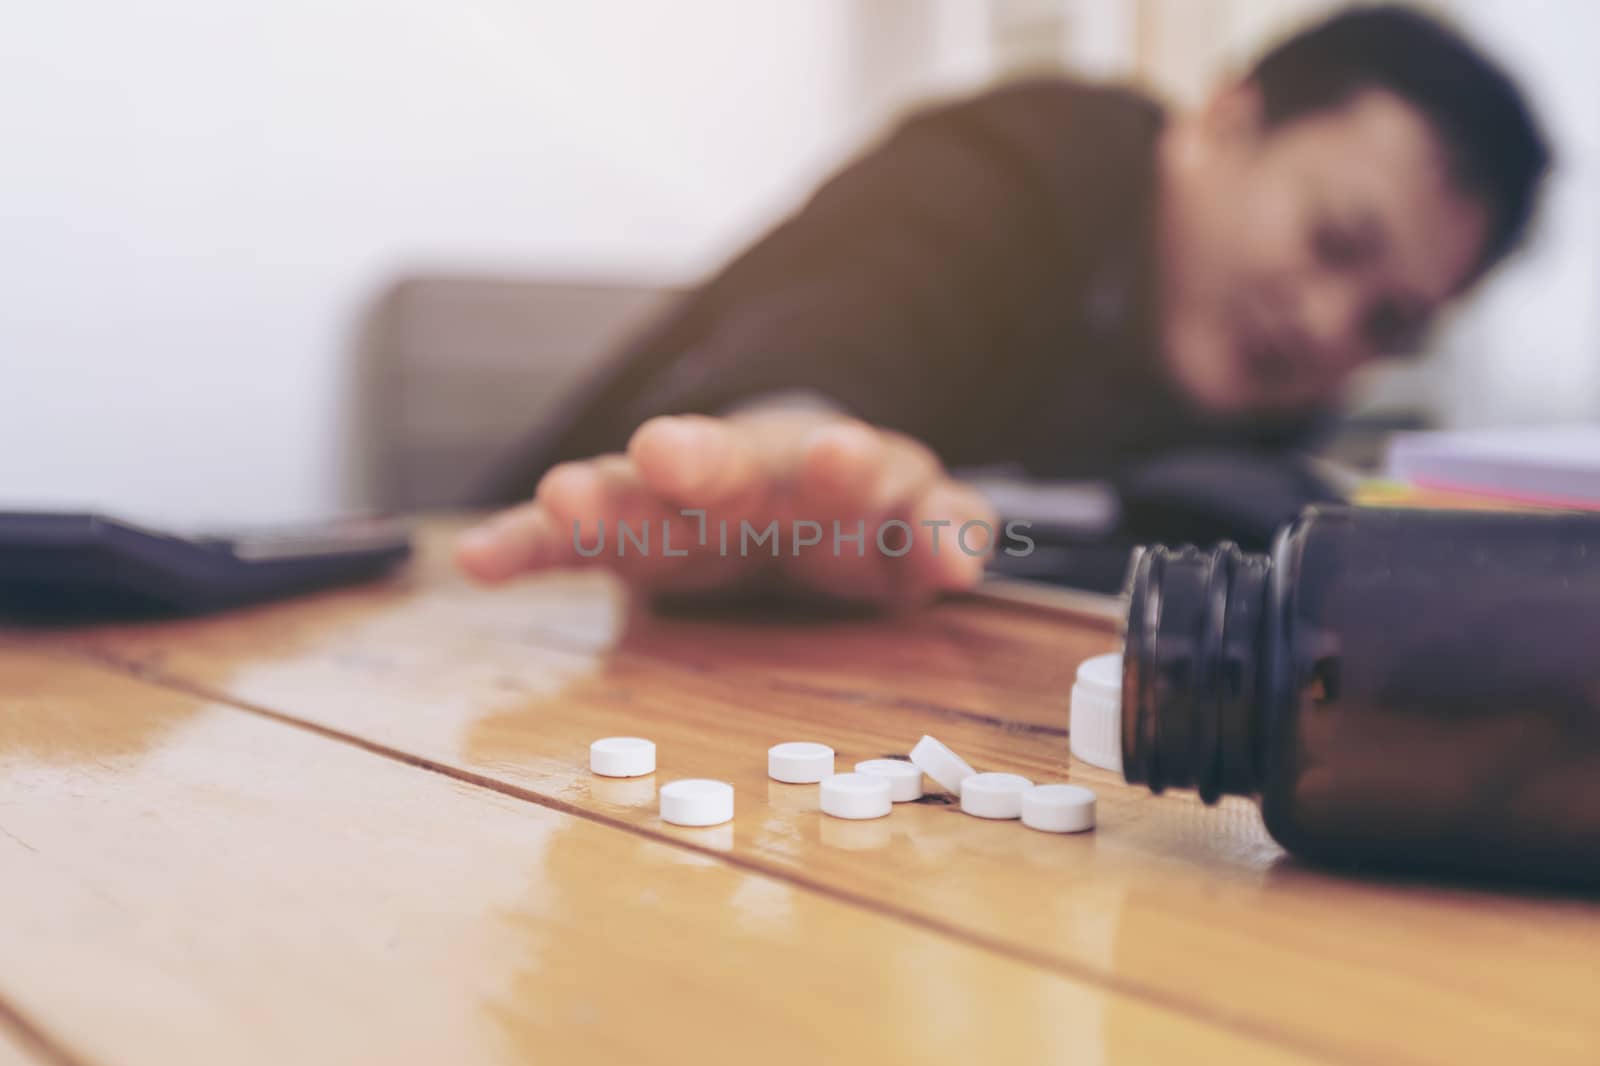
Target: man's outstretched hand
{"x":803,"y":470}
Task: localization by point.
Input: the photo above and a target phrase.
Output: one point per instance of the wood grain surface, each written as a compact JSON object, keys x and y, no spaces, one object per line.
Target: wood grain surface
{"x":490,"y":697}
{"x":189,"y":882}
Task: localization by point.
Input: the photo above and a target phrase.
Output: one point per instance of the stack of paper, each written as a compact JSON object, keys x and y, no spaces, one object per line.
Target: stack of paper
{"x":1553,"y":466}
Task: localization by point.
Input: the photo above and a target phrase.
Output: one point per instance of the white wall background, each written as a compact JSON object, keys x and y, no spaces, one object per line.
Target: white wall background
{"x":1529,"y":350}
{"x":197,"y":199}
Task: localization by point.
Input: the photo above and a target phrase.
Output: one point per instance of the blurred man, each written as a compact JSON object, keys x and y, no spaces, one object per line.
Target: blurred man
{"x":1052,"y":274}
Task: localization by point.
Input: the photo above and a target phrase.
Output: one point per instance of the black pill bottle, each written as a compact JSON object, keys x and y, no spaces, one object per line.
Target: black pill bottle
{"x":1400,"y":688}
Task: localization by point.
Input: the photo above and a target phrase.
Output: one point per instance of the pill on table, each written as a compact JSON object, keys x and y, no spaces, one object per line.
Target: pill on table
{"x":905,"y":780}
{"x":622,"y":757}
{"x":856,"y":796}
{"x":1096,"y":721}
{"x":941,"y":764}
{"x":1058,"y":808}
{"x":799,"y":762}
{"x":994,"y":795}
{"x":697,"y":801}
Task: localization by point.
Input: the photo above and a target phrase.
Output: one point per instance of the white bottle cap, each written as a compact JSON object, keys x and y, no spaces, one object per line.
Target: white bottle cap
{"x":856,"y":796}
{"x":994,"y":795}
{"x":799,"y":762}
{"x":622,"y":757}
{"x":1096,"y":728}
{"x":941,"y":764}
{"x":697,"y":801}
{"x":1058,"y":808}
{"x":905,"y":780}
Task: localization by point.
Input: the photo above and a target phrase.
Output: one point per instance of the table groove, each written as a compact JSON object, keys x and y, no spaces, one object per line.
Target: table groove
{"x":33,"y":1039}
{"x":1286,"y":1039}
{"x":1177,"y":903}
{"x":247,"y":804}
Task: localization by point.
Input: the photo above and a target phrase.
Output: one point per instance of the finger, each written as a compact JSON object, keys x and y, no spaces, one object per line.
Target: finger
{"x":610,"y":518}
{"x":938,"y":542}
{"x":848,"y":468}
{"x":663,"y":548}
{"x":840,"y":466}
{"x":694,"y":461}
{"x":957,"y":531}
{"x":851,"y":478}
{"x":570,"y":503}
{"x":507,"y":544}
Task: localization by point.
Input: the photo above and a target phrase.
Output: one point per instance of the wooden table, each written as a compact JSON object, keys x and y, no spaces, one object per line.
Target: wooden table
{"x":360,"y":827}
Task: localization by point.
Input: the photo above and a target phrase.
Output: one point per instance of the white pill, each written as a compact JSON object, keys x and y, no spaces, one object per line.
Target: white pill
{"x":799,"y":762}
{"x":941,"y":764}
{"x":622,"y":757}
{"x":905,"y":780}
{"x":994,"y":795}
{"x":697,"y":801}
{"x":856,"y":796}
{"x":1058,"y":808}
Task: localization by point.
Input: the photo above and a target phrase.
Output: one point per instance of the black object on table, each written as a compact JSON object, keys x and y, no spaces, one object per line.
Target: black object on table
{"x":75,"y":565}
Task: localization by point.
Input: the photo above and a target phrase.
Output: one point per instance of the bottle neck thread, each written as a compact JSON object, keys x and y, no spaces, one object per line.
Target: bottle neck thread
{"x":1193,"y":670}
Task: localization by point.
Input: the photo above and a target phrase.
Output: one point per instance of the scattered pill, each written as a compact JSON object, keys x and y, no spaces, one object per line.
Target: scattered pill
{"x":1096,"y":722}
{"x":905,"y":780}
{"x":622,"y":757}
{"x":994,"y":795}
{"x":856,"y":796}
{"x":941,"y":764}
{"x":1058,"y":808}
{"x":799,"y":762}
{"x":697,"y":801}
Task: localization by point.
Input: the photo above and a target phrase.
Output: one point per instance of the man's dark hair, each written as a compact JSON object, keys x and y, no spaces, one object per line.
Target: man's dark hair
{"x":1493,"y":144}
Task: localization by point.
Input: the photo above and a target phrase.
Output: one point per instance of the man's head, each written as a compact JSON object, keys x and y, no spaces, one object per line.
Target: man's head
{"x":1316,"y":214}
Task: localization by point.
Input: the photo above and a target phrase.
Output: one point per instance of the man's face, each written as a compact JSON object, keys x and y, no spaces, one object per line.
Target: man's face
{"x":1293,"y":256}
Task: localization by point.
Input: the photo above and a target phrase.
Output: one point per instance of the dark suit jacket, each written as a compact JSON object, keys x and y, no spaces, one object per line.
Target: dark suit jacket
{"x":981,"y":279}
